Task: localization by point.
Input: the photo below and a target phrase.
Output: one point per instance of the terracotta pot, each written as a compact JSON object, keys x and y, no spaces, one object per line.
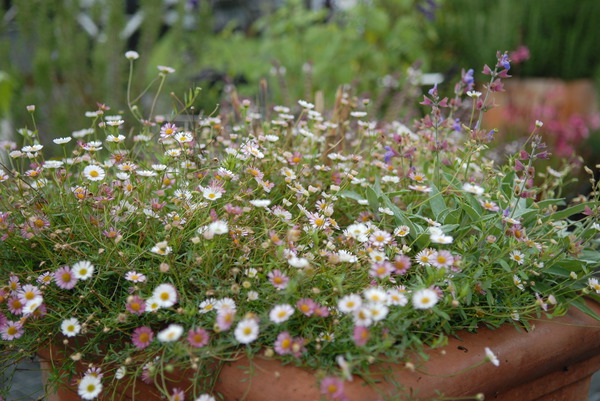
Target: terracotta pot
{"x":554,"y":361}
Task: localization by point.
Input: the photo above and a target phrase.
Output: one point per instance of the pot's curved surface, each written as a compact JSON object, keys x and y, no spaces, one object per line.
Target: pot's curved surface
{"x":554,"y":361}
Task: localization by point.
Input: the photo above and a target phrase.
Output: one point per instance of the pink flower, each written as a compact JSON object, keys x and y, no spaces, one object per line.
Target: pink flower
{"x":198,"y":337}
{"x":333,"y":388}
{"x":178,"y":395}
{"x":278,"y":279}
{"x":307,"y":306}
{"x":15,"y":305}
{"x":381,"y":269}
{"x":136,"y":305}
{"x":64,"y":278}
{"x":225,"y":319}
{"x":11,"y":330}
{"x":321,"y":311}
{"x":283,"y":344}
{"x":361,"y":335}
{"x":142,"y":337}
{"x":401,"y":264}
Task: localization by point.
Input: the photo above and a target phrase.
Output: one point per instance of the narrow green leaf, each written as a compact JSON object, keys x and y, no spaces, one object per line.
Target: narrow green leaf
{"x":570,"y":211}
{"x":580,"y":304}
{"x":373,"y":199}
{"x":350,"y":194}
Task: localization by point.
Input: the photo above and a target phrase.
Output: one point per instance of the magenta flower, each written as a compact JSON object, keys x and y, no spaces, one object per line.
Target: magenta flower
{"x":278,"y":279}
{"x":15,"y":305}
{"x":225,"y":319}
{"x":381,"y":269}
{"x":11,"y":330}
{"x":142,"y":337}
{"x":136,"y":305}
{"x":321,"y":311}
{"x":298,"y":346}
{"x":198,"y":337}
{"x":401,"y":264}
{"x":65,"y":278}
{"x":307,"y":306}
{"x":360,"y":335}
{"x":283,"y":344}
{"x":333,"y":388}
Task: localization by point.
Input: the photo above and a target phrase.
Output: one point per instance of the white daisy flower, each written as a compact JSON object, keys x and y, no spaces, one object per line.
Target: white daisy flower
{"x":252,"y":296}
{"x":396,"y":297}
{"x":362,"y":316}
{"x":281,"y":313}
{"x":297,"y":262}
{"x":375,"y":295}
{"x":491,"y":357}
{"x":218,"y":227}
{"x":170,"y":334}
{"x":83,"y":270}
{"x":165,"y":295}
{"x":207,"y":305}
{"x":518,"y":282}
{"x":593,"y":283}
{"x":378,"y":311}
{"x":32,"y":304}
{"x":161,"y":248}
{"x":517,"y":257}
{"x":437,"y":236}
{"x":70,"y":327}
{"x":152,"y":304}
{"x":62,"y":141}
{"x":205,"y":397}
{"x":424,"y":299}
{"x":89,"y":387}
{"x":349,"y":303}
{"x":225,"y":304}
{"x":260,"y":202}
{"x":472,"y":188}
{"x":246,"y":331}
{"x":94,"y":173}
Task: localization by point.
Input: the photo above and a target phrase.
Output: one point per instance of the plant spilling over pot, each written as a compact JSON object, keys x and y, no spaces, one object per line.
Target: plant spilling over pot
{"x":326,"y":240}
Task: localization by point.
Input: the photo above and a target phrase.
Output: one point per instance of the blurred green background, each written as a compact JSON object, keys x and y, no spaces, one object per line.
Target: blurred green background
{"x":64,"y":56}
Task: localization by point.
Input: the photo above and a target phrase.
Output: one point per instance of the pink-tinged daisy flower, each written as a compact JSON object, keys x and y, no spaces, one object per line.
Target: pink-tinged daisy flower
{"x":95,"y":372}
{"x":418,"y":177}
{"x":489,"y":205}
{"x":281,"y":313}
{"x":424,"y":299}
{"x":441,"y":259}
{"x":225,"y":319}
{"x":333,"y":388}
{"x":177,"y":395}
{"x":321,"y":311}
{"x":278,"y":279}
{"x":135,"y":277}
{"x":360,"y":335}
{"x":401,"y":264}
{"x":39,"y":312}
{"x":28,"y":292}
{"x":83,"y":270}
{"x":165,"y":295}
{"x":349,"y":303}
{"x":70,"y":327}
{"x":283,"y":344}
{"x":298,"y":346}
{"x":198,"y":337}
{"x":318,"y":221}
{"x":381,"y":269}
{"x":306,"y":306}
{"x":64,"y":278}
{"x":15,"y":305}
{"x":13,"y":283}
{"x":420,"y":188}
{"x":167,"y":130}
{"x":246,"y":331}
{"x":45,"y":278}
{"x":136,"y":305}
{"x":142,"y":337}
{"x":424,"y":257}
{"x":380,"y":238}
{"x":11,"y":330}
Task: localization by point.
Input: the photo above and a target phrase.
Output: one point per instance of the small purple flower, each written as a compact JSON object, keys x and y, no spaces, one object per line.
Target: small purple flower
{"x":65,"y":278}
{"x":333,"y":388}
{"x":136,"y":305}
{"x":198,"y":337}
{"x":142,"y":337}
{"x":360,"y":335}
{"x":283,"y":344}
{"x":307,"y":306}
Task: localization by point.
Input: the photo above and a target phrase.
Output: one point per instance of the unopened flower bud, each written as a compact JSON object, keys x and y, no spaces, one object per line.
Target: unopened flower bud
{"x":164,"y":267}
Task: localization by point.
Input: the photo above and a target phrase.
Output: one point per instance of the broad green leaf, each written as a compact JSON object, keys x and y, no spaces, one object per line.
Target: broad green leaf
{"x":350,"y":194}
{"x":436,"y":202}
